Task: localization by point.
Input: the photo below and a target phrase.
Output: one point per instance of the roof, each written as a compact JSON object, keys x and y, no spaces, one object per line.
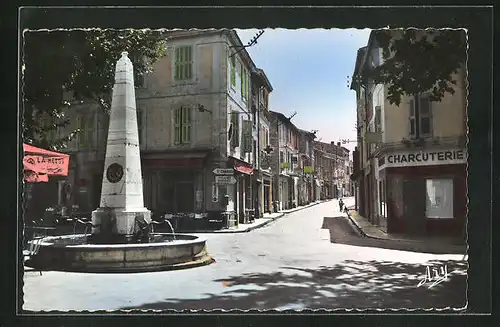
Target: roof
{"x":359,"y":58}
{"x":284,"y":119}
{"x":263,"y":77}
{"x":310,"y":134}
{"x":230,"y":33}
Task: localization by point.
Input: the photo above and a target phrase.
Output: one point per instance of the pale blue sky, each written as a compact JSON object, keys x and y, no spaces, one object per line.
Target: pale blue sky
{"x":309,"y":69}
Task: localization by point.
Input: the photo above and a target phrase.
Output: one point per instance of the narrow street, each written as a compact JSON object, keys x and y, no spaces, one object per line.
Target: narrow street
{"x":291,"y":263}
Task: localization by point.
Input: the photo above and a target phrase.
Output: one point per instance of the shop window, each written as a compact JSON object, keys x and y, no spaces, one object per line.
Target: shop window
{"x":439,"y":202}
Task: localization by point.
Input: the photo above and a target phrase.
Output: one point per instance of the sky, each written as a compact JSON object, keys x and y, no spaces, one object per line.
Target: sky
{"x":310,"y":71}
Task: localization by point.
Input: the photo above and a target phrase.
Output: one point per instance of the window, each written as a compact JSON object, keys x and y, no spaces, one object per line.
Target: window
{"x":282,"y":159}
{"x":182,"y":125}
{"x":244,"y":83}
{"x":235,"y":122}
{"x":233,"y":71}
{"x":183,"y":63}
{"x":247,"y":136}
{"x":439,"y":198}
{"x":86,"y":124}
{"x":420,"y":118}
{"x":378,"y":119}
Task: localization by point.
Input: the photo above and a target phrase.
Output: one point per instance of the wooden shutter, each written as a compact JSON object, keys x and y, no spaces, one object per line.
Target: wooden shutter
{"x":177,"y":125}
{"x":235,"y":139}
{"x":177,"y":58}
{"x":378,"y":119}
{"x":233,"y":71}
{"x":247,"y":136}
{"x":242,"y":84}
{"x":189,"y":63}
{"x":186,"y":125}
{"x":425,"y":116}
{"x":412,"y":121}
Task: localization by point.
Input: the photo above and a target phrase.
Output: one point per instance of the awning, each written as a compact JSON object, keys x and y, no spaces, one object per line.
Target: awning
{"x":39,"y":164}
{"x":241,"y":166}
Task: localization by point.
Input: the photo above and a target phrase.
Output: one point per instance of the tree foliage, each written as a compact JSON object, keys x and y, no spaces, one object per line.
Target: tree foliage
{"x":418,"y":61}
{"x":81,"y":62}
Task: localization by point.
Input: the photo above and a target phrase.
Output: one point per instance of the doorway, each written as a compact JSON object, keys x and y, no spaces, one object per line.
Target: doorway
{"x":414,"y":206}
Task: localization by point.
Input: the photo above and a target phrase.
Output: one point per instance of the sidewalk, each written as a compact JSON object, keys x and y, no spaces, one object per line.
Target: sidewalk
{"x":444,"y":244}
{"x":259,"y":222}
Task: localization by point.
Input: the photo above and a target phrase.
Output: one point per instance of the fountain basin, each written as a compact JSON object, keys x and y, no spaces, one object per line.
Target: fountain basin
{"x":72,"y":253}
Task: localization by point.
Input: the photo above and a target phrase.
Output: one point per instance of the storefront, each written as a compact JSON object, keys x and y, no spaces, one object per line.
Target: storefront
{"x":423,"y":192}
{"x":266,"y":195}
{"x":243,"y":190}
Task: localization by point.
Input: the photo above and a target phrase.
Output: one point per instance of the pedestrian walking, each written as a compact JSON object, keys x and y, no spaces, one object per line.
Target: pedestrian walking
{"x":341,"y":204}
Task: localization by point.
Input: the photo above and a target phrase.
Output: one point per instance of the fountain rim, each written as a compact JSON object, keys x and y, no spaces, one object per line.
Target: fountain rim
{"x":197,"y":239}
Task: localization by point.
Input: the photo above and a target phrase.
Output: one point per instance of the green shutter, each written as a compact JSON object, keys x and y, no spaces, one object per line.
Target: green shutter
{"x":242,"y":81}
{"x":186,"y":125}
{"x":189,"y":61}
{"x":176,"y":64}
{"x":233,"y":71}
{"x":183,"y":63}
{"x":177,"y":125}
{"x":235,"y":139}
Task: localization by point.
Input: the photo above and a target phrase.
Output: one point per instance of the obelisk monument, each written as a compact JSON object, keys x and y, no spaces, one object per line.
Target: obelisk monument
{"x":122,"y":202}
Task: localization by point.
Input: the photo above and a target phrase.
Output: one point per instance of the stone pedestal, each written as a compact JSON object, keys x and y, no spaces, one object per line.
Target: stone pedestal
{"x":121,"y":212}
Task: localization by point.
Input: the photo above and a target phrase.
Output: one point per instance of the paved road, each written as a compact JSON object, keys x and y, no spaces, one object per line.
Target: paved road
{"x":289,"y":264}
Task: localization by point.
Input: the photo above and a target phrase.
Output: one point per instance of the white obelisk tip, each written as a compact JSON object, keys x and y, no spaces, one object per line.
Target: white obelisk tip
{"x":124,"y":54}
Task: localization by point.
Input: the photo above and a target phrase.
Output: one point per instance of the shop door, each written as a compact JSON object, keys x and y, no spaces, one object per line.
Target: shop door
{"x":414,"y":206}
{"x":184,"y":197}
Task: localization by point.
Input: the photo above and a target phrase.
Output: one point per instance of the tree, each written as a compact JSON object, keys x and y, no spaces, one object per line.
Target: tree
{"x":81,"y":62}
{"x":418,"y":61}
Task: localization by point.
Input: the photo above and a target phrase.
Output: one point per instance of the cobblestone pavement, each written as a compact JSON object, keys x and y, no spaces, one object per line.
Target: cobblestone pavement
{"x":290,"y":264}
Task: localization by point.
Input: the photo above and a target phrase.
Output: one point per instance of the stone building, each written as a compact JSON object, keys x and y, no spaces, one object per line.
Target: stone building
{"x":411,"y":164}
{"x":194,"y":115}
{"x":285,"y":160}
{"x":261,"y":89}
{"x":306,"y":160}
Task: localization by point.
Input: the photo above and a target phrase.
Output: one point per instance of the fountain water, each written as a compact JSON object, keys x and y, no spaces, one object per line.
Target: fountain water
{"x":171,"y":227}
{"x":121,"y":240}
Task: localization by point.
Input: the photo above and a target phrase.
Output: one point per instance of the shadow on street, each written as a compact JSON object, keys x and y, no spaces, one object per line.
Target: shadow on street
{"x":343,"y":231}
{"x":350,"y":285}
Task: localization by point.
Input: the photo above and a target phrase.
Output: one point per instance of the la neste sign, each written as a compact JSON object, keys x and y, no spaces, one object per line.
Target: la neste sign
{"x":424,"y":158}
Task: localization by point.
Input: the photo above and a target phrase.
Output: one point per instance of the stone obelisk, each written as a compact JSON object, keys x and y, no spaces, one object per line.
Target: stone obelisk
{"x":122,"y":202}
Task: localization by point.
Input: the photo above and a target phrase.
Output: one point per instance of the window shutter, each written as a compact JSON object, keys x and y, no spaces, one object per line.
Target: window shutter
{"x":189,"y":63}
{"x":242,"y":84}
{"x":378,"y":118}
{"x":233,"y":71}
{"x":412,"y":119}
{"x":425,"y":116}
{"x":186,"y":125}
{"x":177,"y":125}
{"x":247,"y":136}
{"x":235,"y":139}
{"x":177,"y":64}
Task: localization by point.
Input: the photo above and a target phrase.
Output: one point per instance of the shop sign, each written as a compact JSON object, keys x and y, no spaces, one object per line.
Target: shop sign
{"x":222,"y":179}
{"x":424,"y":158}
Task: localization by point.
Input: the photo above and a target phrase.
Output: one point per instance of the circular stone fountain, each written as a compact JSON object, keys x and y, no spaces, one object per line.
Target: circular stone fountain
{"x":121,"y":238}
{"x":73,"y":253}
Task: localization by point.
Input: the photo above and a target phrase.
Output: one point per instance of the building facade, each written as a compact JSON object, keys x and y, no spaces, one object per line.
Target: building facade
{"x":306,"y":162}
{"x":412,"y":157}
{"x":263,"y":183}
{"x":285,"y":138}
{"x":194,"y":116}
